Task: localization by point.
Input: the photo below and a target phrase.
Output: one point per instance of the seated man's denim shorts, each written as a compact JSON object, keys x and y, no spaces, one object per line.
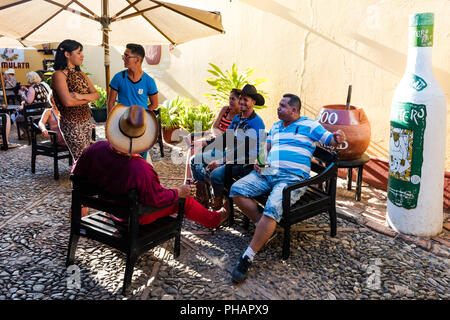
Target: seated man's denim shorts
{"x":269,"y":180}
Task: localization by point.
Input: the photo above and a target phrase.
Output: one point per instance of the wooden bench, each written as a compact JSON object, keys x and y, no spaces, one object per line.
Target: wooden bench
{"x":128,"y":237}
{"x":320,"y":196}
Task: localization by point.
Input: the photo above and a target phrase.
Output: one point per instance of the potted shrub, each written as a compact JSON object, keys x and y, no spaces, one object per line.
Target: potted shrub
{"x":201,"y":113}
{"x":224,"y":81}
{"x":98,"y":107}
{"x":169,"y":116}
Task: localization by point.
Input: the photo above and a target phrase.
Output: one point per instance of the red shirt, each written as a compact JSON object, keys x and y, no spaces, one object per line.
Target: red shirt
{"x":118,"y":173}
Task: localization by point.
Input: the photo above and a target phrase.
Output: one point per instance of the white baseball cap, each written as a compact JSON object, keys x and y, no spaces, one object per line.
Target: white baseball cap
{"x":11,"y":71}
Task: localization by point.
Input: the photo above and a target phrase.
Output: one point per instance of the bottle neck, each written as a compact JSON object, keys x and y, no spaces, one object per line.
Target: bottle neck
{"x":419,"y":59}
{"x":420,"y":49}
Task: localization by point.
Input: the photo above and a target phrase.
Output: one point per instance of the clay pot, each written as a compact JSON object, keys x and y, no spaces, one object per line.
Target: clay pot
{"x":168,"y":135}
{"x":153,"y":54}
{"x":355,"y":125}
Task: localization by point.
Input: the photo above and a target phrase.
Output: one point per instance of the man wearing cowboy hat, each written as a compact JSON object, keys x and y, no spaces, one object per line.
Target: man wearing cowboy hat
{"x":289,"y":148}
{"x":245,"y":128}
{"x":116,"y":166}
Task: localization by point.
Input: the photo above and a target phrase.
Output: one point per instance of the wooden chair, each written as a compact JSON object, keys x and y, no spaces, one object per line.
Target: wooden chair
{"x":32,"y":109}
{"x":319,"y":197}
{"x":15,"y":97}
{"x":3,"y":120}
{"x":128,"y":237}
{"x":160,"y":138}
{"x":48,"y":147}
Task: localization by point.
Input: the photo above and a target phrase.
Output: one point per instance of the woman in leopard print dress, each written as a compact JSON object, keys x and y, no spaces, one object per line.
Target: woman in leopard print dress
{"x":72,"y":92}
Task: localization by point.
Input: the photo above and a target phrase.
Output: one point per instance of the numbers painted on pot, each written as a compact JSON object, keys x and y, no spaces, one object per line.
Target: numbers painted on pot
{"x":327,"y":117}
{"x":342,"y":146}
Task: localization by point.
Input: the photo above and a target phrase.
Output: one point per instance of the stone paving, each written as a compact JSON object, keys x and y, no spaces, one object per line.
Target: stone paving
{"x":366,"y":260}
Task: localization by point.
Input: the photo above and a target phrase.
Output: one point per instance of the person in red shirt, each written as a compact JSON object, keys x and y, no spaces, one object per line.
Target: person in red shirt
{"x":116,"y":166}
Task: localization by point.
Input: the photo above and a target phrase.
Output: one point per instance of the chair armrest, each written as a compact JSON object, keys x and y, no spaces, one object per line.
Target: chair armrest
{"x":324,"y":176}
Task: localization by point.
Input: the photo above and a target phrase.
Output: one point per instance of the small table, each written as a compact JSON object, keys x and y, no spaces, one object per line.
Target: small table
{"x":10,"y":108}
{"x":350,"y":164}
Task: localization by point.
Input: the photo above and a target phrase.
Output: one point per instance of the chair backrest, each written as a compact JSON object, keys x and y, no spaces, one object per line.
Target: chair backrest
{"x":322,"y":158}
{"x":34,"y":109}
{"x":119,"y":205}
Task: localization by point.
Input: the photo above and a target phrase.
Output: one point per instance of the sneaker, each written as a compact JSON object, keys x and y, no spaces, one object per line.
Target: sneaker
{"x":239,"y":273}
{"x":13,"y":145}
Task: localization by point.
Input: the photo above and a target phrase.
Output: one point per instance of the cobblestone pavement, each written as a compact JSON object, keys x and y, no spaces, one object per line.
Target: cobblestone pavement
{"x":361,"y":262}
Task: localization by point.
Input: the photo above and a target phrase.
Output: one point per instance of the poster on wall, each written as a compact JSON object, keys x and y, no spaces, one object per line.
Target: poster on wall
{"x":13,"y":58}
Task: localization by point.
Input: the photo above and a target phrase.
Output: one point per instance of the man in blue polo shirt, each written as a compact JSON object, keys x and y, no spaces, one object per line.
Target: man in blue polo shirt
{"x":133,"y":86}
{"x":289,"y":148}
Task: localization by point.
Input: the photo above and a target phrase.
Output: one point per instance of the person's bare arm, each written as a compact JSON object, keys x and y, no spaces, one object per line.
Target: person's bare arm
{"x":43,"y":121}
{"x":338,"y":137}
{"x":28,"y":97}
{"x":88,"y":97}
{"x":215,"y":127}
{"x":153,"y":102}
{"x":59,"y":84}
{"x":112,"y":97}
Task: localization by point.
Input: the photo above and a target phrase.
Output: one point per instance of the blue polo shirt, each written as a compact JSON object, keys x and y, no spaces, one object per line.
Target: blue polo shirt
{"x":252,"y":128}
{"x":292,"y":147}
{"x":131,"y":93}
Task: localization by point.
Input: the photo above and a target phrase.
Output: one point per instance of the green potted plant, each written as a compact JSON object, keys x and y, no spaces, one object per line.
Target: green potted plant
{"x":224,"y":81}
{"x":98,"y":107}
{"x":169,"y":116}
{"x":202,"y":114}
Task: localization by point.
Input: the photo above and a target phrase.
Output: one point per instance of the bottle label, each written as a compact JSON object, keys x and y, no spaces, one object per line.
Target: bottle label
{"x":408,"y":121}
{"x":421,"y":36}
{"x":416,"y":82}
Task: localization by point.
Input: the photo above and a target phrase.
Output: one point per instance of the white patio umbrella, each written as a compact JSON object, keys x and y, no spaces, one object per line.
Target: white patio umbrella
{"x":7,"y":42}
{"x":103,"y":22}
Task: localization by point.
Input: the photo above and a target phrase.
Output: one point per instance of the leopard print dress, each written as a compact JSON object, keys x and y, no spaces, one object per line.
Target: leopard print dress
{"x":75,"y":122}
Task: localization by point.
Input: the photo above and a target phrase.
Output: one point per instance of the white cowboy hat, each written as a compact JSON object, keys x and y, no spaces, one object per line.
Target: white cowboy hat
{"x":131,"y":129}
{"x":10,"y":71}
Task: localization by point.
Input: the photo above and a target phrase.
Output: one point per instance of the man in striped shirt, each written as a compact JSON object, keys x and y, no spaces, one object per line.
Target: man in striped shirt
{"x":289,"y":148}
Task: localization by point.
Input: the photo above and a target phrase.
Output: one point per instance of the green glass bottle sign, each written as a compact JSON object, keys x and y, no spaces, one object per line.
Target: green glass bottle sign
{"x":417,"y":149}
{"x":408,"y":121}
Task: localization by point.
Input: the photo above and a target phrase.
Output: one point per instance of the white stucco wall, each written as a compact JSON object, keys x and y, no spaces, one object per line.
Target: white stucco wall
{"x":313,"y":48}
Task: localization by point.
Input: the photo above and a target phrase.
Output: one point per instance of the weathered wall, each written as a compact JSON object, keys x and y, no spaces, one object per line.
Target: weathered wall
{"x":314,"y":48}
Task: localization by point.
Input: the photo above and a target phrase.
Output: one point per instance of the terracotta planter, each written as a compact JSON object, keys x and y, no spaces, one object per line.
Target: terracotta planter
{"x":167,"y":135}
{"x":355,"y":125}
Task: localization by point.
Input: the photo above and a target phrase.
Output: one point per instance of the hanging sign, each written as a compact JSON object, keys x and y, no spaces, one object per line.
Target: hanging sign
{"x":13,"y":58}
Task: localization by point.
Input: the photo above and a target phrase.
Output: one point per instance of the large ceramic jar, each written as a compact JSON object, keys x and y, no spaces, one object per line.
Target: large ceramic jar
{"x":355,"y":125}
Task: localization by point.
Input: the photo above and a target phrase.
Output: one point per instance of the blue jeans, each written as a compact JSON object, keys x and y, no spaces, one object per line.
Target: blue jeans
{"x":217,"y":176}
{"x":269,"y":180}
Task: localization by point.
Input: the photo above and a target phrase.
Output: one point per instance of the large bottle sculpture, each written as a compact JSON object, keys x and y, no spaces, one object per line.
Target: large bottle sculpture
{"x":417,"y":139}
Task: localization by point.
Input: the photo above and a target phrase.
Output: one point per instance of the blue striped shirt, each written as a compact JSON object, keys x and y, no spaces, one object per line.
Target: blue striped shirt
{"x":292,"y":147}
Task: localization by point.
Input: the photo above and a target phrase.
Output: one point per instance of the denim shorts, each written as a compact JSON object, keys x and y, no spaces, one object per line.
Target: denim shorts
{"x":269,"y":180}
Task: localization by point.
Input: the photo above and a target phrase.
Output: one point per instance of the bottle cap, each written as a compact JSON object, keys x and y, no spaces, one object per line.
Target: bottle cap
{"x":421,"y":19}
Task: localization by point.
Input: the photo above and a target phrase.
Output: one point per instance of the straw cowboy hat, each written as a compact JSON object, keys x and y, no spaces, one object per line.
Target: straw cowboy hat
{"x":250,"y":90}
{"x":131,"y":129}
{"x":10,"y":71}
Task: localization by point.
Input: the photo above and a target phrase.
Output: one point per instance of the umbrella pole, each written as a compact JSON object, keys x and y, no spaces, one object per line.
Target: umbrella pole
{"x":105,"y":28}
{"x":107,"y":58}
{"x":3,"y":87}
